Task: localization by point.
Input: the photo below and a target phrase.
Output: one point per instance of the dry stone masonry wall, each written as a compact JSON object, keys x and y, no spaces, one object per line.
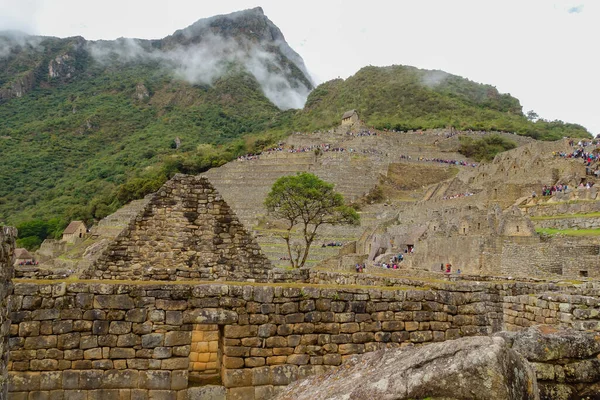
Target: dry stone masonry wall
{"x":138,"y":340}
{"x":186,"y":231}
{"x":7,"y":247}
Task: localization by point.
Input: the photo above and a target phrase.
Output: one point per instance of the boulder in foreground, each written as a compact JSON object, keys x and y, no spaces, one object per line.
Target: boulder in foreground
{"x":467,"y":368}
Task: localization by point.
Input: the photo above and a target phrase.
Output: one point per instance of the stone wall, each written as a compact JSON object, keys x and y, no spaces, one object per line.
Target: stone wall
{"x":186,"y":231}
{"x":562,"y":208}
{"x":569,"y":223}
{"x":135,"y":340}
{"x":7,"y":247}
{"x":566,"y":362}
{"x":579,"y":312}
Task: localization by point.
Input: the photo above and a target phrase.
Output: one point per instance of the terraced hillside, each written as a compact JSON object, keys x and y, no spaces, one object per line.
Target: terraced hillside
{"x":355,"y":164}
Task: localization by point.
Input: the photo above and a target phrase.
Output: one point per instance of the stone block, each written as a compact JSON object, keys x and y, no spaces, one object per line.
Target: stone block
{"x":351,"y":348}
{"x":236,"y":377}
{"x":411,"y":326}
{"x":276,"y":360}
{"x":59,"y":327}
{"x":263,"y":392}
{"x":236,"y":351}
{"x":332,"y":359}
{"x":136,"y":315}
{"x":117,"y":301}
{"x":363,"y":337}
{"x":162,"y":395}
{"x":40,"y":342}
{"x":152,"y":340}
{"x":208,"y":392}
{"x":298,"y":359}
{"x":56,"y":395}
{"x":81,"y":364}
{"x":119,"y":327}
{"x":88,"y":342}
{"x":29,"y":328}
{"x":103,"y":394}
{"x":139,"y":394}
{"x":24,"y":381}
{"x":251,"y":342}
{"x":233,"y":362}
{"x":263,"y":294}
{"x":90,"y":379}
{"x":304,"y":328}
{"x":241,"y":393}
{"x":76,"y":394}
{"x":107,"y":340}
{"x":283,"y":351}
{"x":93,"y":354}
{"x":421,"y":336}
{"x":82,"y":325}
{"x":240,"y":331}
{"x":171,"y":305}
{"x":210,"y":316}
{"x":284,"y":374}
{"x":178,"y":338}
{"x":261,"y":376}
{"x":45,"y":314}
{"x":175,"y":363}
{"x":267,"y":330}
{"x":155,"y":380}
{"x":174,"y":318}
{"x":128,"y":340}
{"x":120,"y":379}
{"x":119,"y":352}
{"x":100,"y":327}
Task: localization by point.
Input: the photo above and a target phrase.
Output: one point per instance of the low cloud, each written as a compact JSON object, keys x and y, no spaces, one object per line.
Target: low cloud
{"x":434,"y":78}
{"x":211,"y":59}
{"x":576,"y":9}
{"x":14,"y":40}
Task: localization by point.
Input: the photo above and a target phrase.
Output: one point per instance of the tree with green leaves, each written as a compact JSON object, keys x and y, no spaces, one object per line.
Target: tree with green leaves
{"x":306,"y":201}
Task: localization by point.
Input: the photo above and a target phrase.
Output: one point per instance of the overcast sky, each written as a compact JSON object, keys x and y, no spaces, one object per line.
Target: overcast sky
{"x":544,"y":52}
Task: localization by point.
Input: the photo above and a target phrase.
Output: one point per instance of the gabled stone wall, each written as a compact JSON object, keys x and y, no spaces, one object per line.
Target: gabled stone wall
{"x":186,"y":231}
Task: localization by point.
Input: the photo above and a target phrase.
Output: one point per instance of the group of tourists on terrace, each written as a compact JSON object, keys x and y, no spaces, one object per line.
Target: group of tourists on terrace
{"x":448,"y":161}
{"x":362,"y":133}
{"x":457,"y":196}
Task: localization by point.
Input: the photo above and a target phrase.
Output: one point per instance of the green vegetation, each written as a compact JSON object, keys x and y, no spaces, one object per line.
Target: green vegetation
{"x":486,"y":148}
{"x":33,"y":233}
{"x":81,"y":145}
{"x":568,"y":232}
{"x":404,"y":98}
{"x":309,"y":202}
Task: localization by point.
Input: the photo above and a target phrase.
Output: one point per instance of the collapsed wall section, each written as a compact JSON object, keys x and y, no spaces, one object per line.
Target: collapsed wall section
{"x":7,"y":247}
{"x":139,"y":339}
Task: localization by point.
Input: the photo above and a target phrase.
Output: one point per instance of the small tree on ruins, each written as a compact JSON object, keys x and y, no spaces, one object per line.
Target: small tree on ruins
{"x":308,"y":202}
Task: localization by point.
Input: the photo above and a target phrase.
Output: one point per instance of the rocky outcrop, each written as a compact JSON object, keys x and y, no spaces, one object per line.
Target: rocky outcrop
{"x":20,"y":86}
{"x":467,"y":368}
{"x":566,"y":361}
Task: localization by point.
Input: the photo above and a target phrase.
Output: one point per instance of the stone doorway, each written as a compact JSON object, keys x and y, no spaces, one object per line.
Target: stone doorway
{"x":205,"y":355}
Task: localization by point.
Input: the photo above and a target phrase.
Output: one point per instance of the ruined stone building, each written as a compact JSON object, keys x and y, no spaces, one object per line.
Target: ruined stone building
{"x":74,"y":231}
{"x":350,"y":117}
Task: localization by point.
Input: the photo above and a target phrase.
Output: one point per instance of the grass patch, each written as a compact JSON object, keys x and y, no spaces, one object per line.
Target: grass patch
{"x":568,"y":232}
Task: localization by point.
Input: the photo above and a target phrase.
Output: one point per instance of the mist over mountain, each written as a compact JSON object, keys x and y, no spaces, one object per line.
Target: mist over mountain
{"x":244,"y":41}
